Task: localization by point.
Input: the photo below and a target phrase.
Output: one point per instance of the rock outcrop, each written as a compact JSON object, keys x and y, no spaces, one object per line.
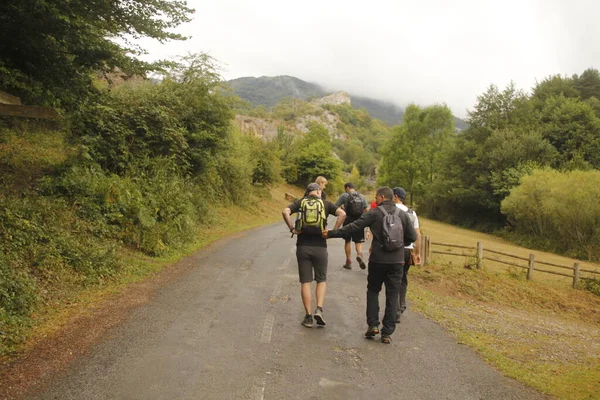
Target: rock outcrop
{"x":335,"y":99}
{"x":258,"y":127}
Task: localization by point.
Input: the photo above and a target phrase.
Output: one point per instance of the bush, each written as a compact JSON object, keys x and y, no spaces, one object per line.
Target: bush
{"x":558,"y":210}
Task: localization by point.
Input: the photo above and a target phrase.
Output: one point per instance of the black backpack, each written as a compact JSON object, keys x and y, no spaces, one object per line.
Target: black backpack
{"x":393,"y":231}
{"x":354,"y":205}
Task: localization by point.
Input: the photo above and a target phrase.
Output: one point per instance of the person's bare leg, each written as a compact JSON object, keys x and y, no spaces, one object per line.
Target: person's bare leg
{"x":358,"y":249}
{"x":320,"y":292}
{"x":348,"y":249}
{"x":306,"y":296}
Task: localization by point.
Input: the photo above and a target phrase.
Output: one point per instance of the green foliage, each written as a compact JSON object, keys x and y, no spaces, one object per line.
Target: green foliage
{"x":55,"y":46}
{"x":588,"y":83}
{"x":412,"y":158}
{"x":573,"y":128}
{"x":185,"y":118}
{"x":591,"y":285}
{"x":558,"y":210}
{"x":312,"y":156}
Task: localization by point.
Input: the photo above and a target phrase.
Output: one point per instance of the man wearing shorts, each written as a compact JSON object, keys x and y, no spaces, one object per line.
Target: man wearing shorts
{"x":358,"y":237}
{"x":311,"y":253}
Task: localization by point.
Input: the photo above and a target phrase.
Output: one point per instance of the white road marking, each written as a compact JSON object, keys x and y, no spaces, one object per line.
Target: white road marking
{"x":258,"y":389}
{"x":267,"y":329}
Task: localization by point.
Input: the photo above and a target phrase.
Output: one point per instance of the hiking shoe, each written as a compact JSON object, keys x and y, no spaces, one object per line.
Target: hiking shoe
{"x":319,"y":317}
{"x":361,"y":263}
{"x":308,"y":321}
{"x":348,"y":264}
{"x":387,"y":339}
{"x":371,"y":332}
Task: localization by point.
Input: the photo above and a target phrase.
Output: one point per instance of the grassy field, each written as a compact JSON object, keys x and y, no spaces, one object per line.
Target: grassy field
{"x":541,"y":332}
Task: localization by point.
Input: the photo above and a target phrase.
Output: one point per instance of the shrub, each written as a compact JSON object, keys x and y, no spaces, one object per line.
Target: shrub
{"x":558,"y":210}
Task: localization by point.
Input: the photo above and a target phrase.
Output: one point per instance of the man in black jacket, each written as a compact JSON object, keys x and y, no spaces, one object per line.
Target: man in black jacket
{"x":384,"y":266}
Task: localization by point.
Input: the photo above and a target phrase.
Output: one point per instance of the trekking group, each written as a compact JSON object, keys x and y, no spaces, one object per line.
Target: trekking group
{"x":394,"y":248}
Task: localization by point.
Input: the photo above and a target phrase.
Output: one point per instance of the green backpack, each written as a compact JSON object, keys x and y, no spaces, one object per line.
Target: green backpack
{"x":311,"y":216}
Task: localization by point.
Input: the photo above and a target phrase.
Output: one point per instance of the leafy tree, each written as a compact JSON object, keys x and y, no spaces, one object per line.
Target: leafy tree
{"x":412,"y":158}
{"x":588,"y":83}
{"x":554,"y":85}
{"x":573,"y":128}
{"x":313,"y":156}
{"x":55,"y":45}
{"x":188,"y":121}
{"x":497,"y":109}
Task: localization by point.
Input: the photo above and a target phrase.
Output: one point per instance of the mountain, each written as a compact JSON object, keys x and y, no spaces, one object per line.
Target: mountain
{"x":270,"y":90}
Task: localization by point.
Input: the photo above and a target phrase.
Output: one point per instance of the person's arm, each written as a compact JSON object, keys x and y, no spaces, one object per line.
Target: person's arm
{"x":410,"y":234}
{"x":417,"y":246}
{"x":341,"y":216}
{"x":361,"y":223}
{"x":286,"y":213}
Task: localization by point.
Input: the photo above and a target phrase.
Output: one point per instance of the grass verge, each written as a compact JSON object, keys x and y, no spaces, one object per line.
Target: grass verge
{"x":51,"y":319}
{"x":540,"y":333}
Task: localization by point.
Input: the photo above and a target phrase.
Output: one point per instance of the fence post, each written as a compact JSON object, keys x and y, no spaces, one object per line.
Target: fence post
{"x":479,"y":254}
{"x":531,"y":264}
{"x":575,"y":274}
{"x":428,"y":253}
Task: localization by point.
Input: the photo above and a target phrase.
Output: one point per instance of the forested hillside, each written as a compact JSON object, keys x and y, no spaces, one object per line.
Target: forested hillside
{"x":528,"y":164}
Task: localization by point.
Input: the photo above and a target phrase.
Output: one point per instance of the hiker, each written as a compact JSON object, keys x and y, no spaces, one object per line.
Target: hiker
{"x":391,"y":229}
{"x":355,"y":205}
{"x":322,"y":181}
{"x":412,"y":252}
{"x":311,"y":247}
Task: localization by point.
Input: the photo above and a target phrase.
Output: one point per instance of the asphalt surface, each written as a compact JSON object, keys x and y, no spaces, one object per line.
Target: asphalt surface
{"x":230,"y":329}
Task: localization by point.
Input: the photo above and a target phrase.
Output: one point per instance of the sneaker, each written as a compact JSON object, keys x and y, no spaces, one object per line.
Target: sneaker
{"x":372,"y":331}
{"x":319,"y":317}
{"x":348,"y":264}
{"x":387,"y":339}
{"x":361,"y":263}
{"x":308,"y":321}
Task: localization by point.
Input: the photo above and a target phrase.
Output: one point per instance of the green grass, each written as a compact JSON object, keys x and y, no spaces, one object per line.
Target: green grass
{"x":137,"y":267}
{"x":543,"y":332}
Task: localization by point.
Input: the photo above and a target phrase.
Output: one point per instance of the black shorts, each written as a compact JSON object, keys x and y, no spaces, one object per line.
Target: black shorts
{"x":312,"y":258}
{"x":357,"y":237}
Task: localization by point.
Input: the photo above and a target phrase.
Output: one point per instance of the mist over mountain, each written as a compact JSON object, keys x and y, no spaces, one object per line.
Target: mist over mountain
{"x":270,"y":90}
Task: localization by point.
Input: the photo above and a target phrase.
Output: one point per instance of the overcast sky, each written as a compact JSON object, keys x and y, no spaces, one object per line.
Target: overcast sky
{"x":421,"y":51}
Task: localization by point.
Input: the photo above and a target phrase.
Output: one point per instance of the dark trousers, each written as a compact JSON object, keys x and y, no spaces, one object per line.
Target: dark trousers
{"x":404,"y":283}
{"x":391,"y":275}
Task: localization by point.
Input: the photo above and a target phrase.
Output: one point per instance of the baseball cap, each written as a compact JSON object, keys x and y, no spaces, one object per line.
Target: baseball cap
{"x":312,"y":187}
{"x":400,"y":192}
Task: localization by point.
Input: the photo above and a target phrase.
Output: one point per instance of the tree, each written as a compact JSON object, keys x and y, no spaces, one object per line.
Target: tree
{"x":497,"y":109}
{"x":554,"y":85}
{"x":588,"y":83}
{"x":412,"y":157}
{"x":55,"y":45}
{"x":313,"y":156}
{"x":573,"y":128}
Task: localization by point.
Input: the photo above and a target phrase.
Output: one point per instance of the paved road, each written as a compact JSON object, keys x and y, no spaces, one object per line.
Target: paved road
{"x":230,"y":329}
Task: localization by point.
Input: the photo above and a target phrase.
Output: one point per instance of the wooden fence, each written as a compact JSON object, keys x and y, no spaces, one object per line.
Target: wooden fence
{"x":480,"y":254}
